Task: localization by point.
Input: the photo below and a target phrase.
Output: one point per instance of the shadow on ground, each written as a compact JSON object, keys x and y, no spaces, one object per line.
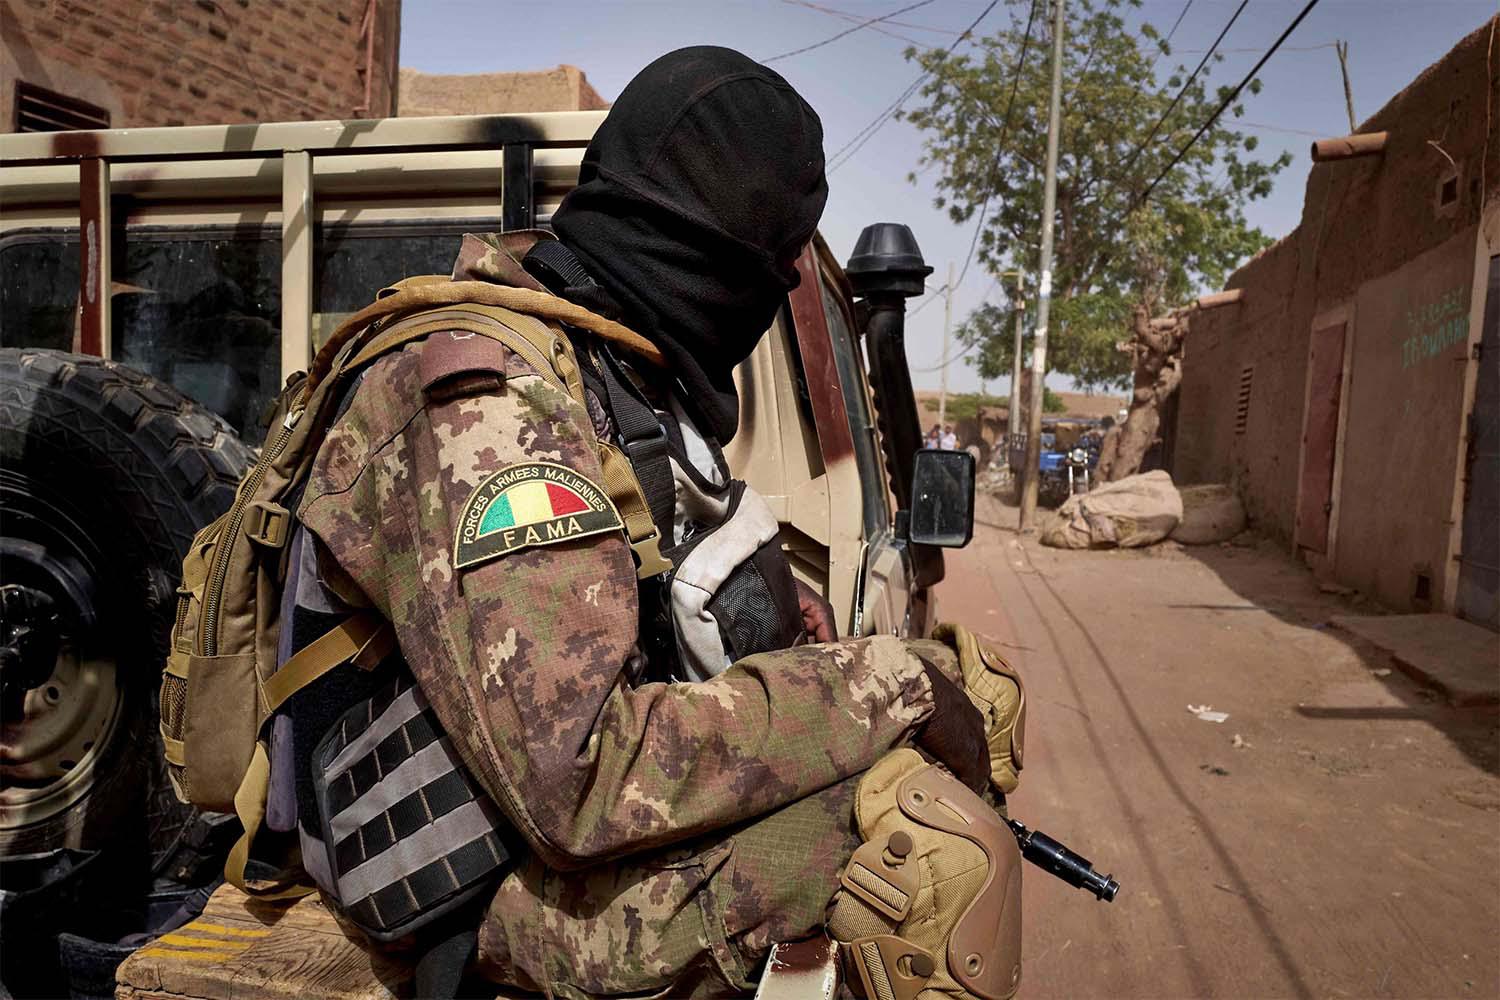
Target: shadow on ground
{"x":1333,"y":836}
{"x":1270,"y":579}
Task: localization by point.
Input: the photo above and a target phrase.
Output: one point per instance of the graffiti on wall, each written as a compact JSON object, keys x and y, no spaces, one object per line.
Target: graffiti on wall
{"x":1434,"y":326}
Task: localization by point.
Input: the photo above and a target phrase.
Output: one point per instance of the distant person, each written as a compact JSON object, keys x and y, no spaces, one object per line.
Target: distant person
{"x":949,"y":440}
{"x":934,"y":437}
{"x":1093,"y":438}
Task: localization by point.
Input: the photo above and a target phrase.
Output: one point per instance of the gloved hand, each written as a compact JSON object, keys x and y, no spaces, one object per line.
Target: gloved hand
{"x":995,"y":688}
{"x":954,"y":733}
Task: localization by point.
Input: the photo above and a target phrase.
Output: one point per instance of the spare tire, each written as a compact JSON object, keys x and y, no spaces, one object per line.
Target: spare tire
{"x":105,"y":474}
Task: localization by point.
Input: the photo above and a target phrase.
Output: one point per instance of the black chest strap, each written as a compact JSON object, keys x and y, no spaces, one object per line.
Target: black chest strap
{"x":641,"y":435}
{"x":642,"y":439}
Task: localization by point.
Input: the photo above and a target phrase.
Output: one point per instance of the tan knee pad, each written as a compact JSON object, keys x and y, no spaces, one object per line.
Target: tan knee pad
{"x":931,"y":902}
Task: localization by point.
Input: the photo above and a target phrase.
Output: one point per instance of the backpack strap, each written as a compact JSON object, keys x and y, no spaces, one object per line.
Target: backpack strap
{"x":364,"y":638}
{"x":427,"y":293}
{"x":250,"y":807}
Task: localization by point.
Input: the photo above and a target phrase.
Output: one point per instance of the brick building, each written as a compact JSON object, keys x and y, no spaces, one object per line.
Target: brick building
{"x":66,"y":63}
{"x":1351,"y":397}
{"x":562,"y":88}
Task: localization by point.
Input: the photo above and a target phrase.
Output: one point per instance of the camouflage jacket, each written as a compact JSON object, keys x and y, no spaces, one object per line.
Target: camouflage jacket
{"x":526,"y":657}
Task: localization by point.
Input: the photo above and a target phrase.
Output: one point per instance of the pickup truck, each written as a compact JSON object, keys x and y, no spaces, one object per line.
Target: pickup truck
{"x":157,"y":288}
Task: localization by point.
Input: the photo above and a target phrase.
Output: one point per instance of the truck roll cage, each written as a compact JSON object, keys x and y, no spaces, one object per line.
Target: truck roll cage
{"x":290,"y":149}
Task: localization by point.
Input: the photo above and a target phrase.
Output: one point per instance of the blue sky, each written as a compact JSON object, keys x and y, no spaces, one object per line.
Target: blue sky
{"x":851,"y":80}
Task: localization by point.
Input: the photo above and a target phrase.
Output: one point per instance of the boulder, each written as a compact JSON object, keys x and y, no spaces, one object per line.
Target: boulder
{"x":1210,"y":514}
{"x":1135,"y":511}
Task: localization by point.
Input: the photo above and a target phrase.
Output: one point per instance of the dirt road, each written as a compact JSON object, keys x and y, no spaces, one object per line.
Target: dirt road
{"x":1337,"y":836}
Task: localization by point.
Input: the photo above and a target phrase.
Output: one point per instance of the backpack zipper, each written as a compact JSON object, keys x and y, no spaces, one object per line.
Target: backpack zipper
{"x":213,"y":593}
{"x":182,"y":613}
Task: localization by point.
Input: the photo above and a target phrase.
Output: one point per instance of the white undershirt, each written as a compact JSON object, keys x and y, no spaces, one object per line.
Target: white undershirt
{"x":696,"y":451}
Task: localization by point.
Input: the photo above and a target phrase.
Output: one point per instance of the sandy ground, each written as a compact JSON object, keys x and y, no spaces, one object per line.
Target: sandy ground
{"x":1348,"y":846}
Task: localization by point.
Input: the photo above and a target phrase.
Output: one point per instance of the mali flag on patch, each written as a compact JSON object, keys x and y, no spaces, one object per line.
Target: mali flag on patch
{"x":529,"y":504}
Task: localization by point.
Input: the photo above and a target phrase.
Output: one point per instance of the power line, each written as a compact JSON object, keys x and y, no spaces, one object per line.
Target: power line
{"x":846,"y":31}
{"x":1168,"y":40}
{"x":1275,"y":128}
{"x":1010,"y":106}
{"x":1140,"y":146}
{"x":1141,"y":200}
{"x":1175,"y":24}
{"x":1226,"y":102}
{"x":882,"y":28}
{"x":931,"y":298}
{"x":1289,"y":48}
{"x":950,"y":359}
{"x":863,"y":135}
{"x":994,"y":282}
{"x":1005,"y":128}
{"x":847,"y":16}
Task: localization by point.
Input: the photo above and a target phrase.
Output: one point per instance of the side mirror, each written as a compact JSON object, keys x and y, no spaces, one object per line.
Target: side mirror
{"x":942,"y":498}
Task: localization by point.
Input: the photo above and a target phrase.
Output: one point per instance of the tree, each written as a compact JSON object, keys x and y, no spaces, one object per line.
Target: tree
{"x":1092,"y":362}
{"x":966,"y":405}
{"x":1113,"y":254}
{"x":1155,"y":348}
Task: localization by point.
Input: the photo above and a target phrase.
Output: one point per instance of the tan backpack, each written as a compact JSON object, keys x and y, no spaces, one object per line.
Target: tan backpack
{"x":221,"y":683}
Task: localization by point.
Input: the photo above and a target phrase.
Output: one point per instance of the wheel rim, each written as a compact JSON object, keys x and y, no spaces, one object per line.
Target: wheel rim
{"x":49,"y":757}
{"x":52,"y":744}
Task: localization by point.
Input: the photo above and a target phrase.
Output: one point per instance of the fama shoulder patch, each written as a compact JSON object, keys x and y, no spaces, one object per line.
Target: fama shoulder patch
{"x":529,"y":504}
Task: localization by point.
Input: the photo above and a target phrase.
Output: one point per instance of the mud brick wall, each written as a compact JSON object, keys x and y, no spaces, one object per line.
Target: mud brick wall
{"x":203,"y":62}
{"x":1387,"y":244}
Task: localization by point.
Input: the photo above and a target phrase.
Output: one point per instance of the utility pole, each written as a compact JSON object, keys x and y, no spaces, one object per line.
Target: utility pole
{"x":1044,"y":289}
{"x":947,"y":326}
{"x":1013,"y":409}
{"x":1342,"y":48}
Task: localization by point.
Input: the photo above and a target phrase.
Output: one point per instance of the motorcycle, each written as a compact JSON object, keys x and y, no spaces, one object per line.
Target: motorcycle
{"x":1078,"y":463}
{"x":1064,"y":474}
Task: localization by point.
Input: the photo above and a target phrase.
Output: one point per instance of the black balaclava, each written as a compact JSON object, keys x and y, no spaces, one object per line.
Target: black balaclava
{"x":695,"y":196}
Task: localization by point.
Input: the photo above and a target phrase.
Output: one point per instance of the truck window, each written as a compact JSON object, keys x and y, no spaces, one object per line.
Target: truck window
{"x":354,"y":262}
{"x":197,"y":308}
{"x":38,"y":289}
{"x":846,"y":357}
{"x":200,"y":308}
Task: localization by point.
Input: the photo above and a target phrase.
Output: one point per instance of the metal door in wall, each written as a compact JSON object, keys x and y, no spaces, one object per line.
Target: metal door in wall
{"x":1325,"y":365}
{"x":1479,"y":546}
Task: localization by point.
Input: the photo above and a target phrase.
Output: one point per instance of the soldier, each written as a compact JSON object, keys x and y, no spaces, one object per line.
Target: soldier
{"x":673,"y":831}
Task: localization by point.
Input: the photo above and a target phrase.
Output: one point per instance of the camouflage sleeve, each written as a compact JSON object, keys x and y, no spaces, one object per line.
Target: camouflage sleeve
{"x":524,"y":655}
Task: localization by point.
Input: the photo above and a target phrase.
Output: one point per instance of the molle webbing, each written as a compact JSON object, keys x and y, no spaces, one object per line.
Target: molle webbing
{"x":408,"y":834}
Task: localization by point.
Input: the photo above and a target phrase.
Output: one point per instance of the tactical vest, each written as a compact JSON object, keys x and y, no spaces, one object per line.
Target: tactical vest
{"x":403,"y":834}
